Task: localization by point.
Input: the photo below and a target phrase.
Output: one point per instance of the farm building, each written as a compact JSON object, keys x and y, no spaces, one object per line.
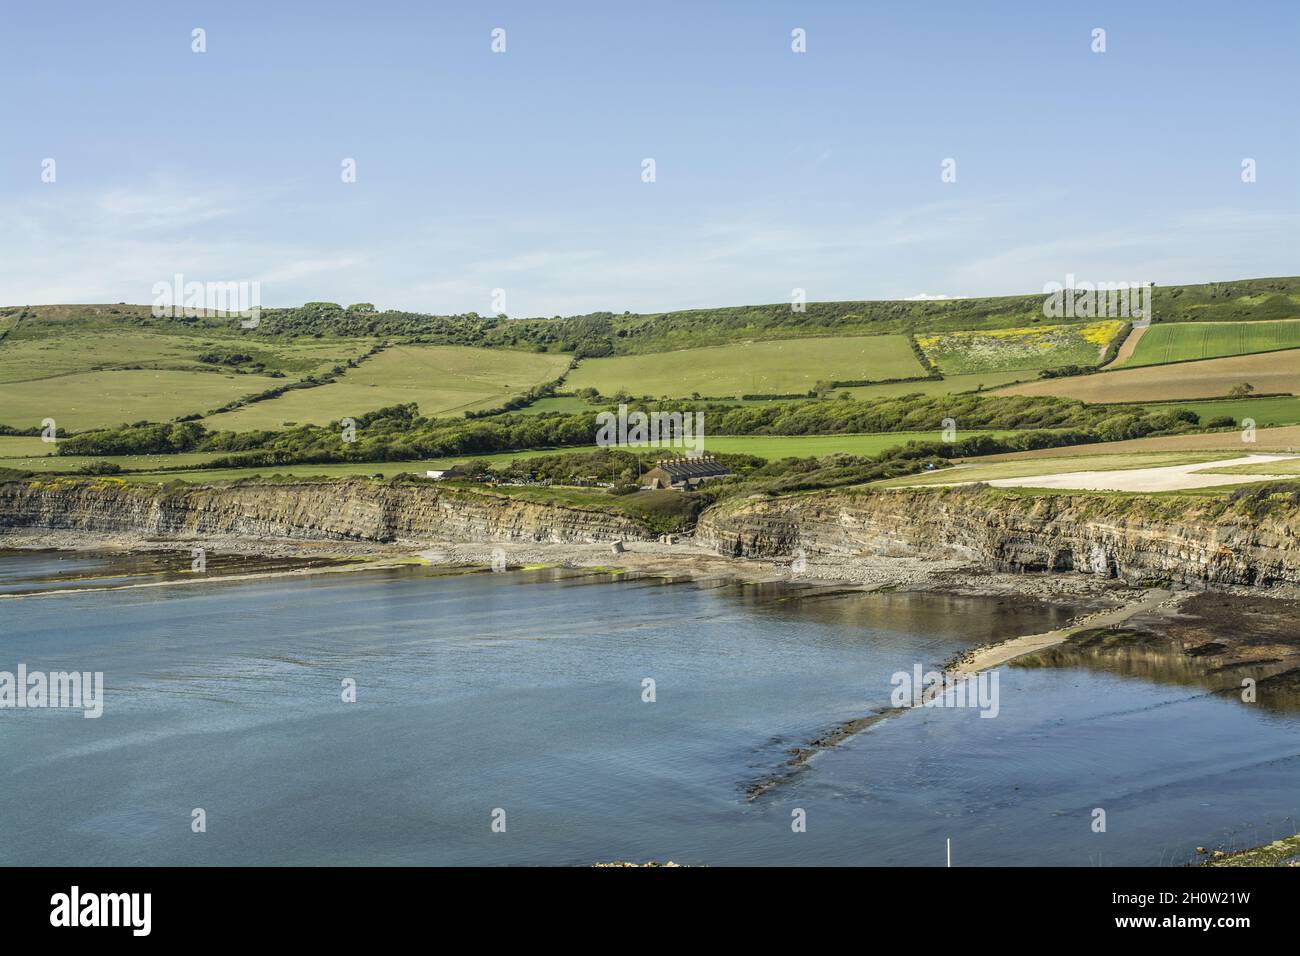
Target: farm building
{"x":683,"y":474}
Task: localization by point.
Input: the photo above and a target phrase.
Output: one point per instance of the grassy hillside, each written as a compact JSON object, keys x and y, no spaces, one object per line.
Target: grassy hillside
{"x":773,"y":367}
{"x":33,"y":354}
{"x":611,"y":333}
{"x":1247,"y":299}
{"x":1241,"y":300}
{"x":90,"y":366}
{"x":440,"y":379}
{"x":100,"y":399}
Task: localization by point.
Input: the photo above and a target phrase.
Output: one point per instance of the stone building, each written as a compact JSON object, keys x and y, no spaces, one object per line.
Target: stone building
{"x":683,"y":474}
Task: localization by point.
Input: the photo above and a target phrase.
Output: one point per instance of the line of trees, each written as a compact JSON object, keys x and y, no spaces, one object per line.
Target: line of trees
{"x":399,"y":433}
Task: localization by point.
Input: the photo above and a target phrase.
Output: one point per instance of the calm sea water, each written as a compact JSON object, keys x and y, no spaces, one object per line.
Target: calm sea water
{"x":523,"y":692}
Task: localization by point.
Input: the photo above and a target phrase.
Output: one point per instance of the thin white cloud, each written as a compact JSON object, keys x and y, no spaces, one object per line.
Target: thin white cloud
{"x":67,"y":246}
{"x":1201,"y":247}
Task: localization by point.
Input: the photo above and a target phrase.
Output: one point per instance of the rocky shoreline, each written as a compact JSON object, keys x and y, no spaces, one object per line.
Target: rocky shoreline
{"x":865,"y":536}
{"x":681,"y":560}
{"x":1201,"y":630}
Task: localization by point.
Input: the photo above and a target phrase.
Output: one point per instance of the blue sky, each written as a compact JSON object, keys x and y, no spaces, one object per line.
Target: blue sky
{"x":522,"y":170}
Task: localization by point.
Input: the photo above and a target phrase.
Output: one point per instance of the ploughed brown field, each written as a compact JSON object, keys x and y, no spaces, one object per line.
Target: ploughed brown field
{"x":1269,"y":372}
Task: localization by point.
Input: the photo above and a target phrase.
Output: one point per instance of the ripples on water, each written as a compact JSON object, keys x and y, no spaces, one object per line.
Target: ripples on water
{"x":523,"y":691}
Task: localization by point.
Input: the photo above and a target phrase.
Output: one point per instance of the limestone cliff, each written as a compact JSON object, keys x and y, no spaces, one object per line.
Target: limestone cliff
{"x":1194,"y":541}
{"x":351,"y":510}
{"x":1185,"y":539}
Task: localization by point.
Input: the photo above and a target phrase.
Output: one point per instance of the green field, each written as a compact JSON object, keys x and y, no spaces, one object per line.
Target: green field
{"x":948,"y":385}
{"x":1030,"y":347}
{"x":84,"y":377}
{"x":441,"y":379}
{"x":773,"y":447}
{"x":72,"y":463}
{"x":100,"y":399}
{"x":32,"y":359}
{"x":1282,"y":410}
{"x":770,"y":447}
{"x":1188,"y":341}
{"x":30,"y":355}
{"x":951,"y":385}
{"x":90,"y":366}
{"x":388,"y":468}
{"x":13,"y":446}
{"x":159,"y":468}
{"x":785,"y":366}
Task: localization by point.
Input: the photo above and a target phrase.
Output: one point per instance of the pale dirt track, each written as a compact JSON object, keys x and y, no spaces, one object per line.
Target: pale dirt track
{"x":1128,"y":348}
{"x":1168,"y":478}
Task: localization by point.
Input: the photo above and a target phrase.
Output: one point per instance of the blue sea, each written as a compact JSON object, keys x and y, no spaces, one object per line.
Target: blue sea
{"x":548,"y":717}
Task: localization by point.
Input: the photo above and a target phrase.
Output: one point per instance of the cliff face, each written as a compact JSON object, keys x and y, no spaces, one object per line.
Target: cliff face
{"x":1186,"y":540}
{"x":352,"y":510}
{"x":1193,"y":541}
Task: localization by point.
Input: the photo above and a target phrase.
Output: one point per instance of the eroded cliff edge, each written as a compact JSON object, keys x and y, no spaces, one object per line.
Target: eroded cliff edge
{"x":1190,"y":540}
{"x":323,"y":510}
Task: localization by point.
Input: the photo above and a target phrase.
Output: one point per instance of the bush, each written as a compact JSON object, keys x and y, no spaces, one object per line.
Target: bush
{"x":136,"y":440}
{"x":100,"y":468}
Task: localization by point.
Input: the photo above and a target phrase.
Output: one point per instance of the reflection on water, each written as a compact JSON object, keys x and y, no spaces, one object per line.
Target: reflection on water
{"x":524,"y":691}
{"x":1271,"y":684}
{"x":31,"y":572}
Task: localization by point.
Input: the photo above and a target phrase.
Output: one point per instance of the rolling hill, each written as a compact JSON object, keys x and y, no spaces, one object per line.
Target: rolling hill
{"x":90,"y":366}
